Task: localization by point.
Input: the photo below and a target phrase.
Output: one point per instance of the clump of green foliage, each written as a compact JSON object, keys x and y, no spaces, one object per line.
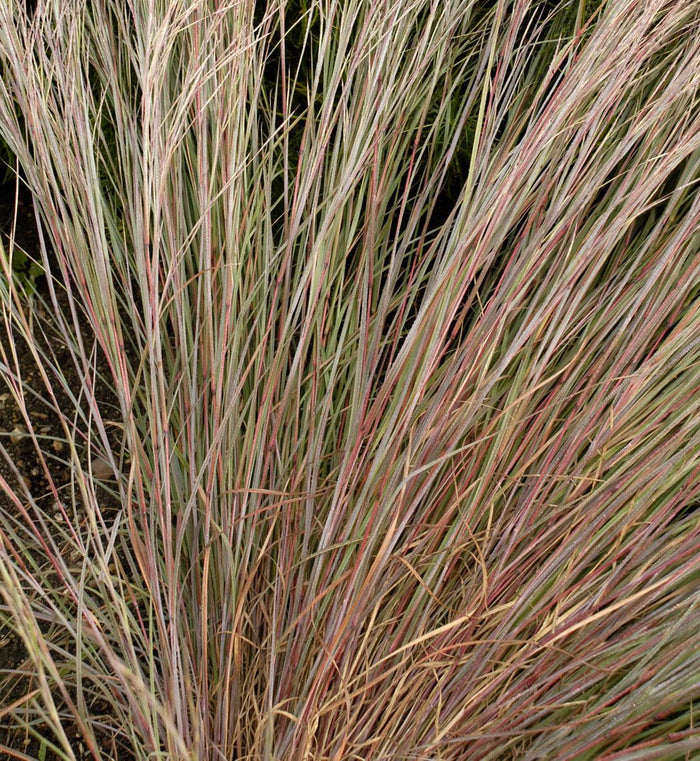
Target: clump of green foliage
{"x":400,"y":305}
{"x":22,"y":268}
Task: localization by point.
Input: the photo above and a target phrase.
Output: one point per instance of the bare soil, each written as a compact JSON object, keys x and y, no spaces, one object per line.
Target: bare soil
{"x":16,"y":674}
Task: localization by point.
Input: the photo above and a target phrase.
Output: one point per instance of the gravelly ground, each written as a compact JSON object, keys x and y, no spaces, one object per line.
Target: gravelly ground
{"x":26,"y":463}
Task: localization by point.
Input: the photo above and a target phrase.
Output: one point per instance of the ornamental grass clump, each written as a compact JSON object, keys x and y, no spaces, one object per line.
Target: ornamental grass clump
{"x":399,"y":306}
